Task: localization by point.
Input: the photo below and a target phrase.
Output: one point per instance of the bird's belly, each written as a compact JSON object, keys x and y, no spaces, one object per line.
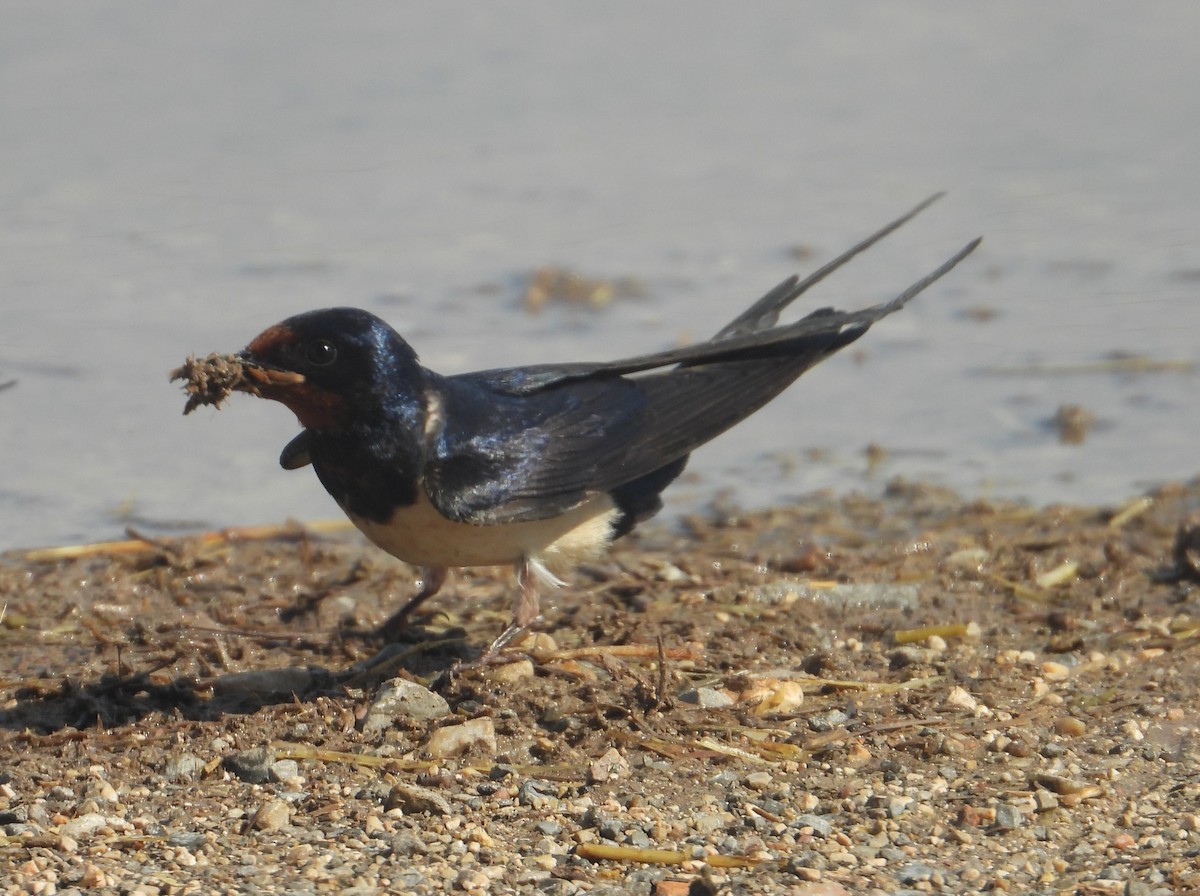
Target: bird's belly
{"x":420,"y":535}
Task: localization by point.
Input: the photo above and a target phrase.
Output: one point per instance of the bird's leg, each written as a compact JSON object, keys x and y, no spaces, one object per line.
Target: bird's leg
{"x":526,"y":609}
{"x":432,"y":580}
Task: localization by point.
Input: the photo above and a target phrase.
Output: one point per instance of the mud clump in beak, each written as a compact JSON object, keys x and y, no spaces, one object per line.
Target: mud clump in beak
{"x":212,"y":379}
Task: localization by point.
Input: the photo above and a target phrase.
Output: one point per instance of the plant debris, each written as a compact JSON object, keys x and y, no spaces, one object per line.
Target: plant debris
{"x":1072,"y":422}
{"x":561,"y":285}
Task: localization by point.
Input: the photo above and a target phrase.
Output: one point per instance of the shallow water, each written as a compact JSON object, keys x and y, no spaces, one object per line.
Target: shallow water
{"x":173,"y":181}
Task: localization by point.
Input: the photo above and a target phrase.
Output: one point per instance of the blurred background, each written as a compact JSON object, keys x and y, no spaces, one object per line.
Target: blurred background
{"x":175,"y":178}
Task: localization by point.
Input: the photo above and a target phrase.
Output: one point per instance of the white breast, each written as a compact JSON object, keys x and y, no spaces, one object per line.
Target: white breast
{"x":420,"y":535}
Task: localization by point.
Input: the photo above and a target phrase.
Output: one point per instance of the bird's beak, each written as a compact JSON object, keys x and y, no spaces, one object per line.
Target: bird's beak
{"x":256,"y":373}
{"x":316,"y":407}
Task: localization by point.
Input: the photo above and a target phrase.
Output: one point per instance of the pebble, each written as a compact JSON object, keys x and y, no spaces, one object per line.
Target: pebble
{"x":284,"y":770}
{"x":824,"y":888}
{"x":102,"y":791}
{"x":472,"y":881}
{"x":403,"y":699}
{"x":537,"y":794}
{"x":707,"y":698}
{"x":1008,"y":817}
{"x":183,"y":767}
{"x":409,"y":881}
{"x":707,"y":822}
{"x":83,"y":827}
{"x":271,"y":816}
{"x":1044,"y":800}
{"x":412,"y":800}
{"x":609,"y":767}
{"x":1018,"y":747}
{"x":968,"y":558}
{"x":93,"y":877}
{"x":669,"y":572}
{"x":960,"y":698}
{"x":911,"y":655}
{"x":406,"y":844}
{"x":858,"y":754}
{"x":252,"y":766}
{"x":914,"y":872}
{"x":1070,"y":727}
{"x":192,"y":840}
{"x":820,"y":825}
{"x":511,"y":673}
{"x":1133,"y":731}
{"x":759,"y":780}
{"x":774,"y":696}
{"x":827,"y":721}
{"x":454,"y":740}
{"x":1055,"y":671}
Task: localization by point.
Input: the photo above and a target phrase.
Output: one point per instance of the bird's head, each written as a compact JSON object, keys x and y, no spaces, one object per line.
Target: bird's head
{"x":332,"y":365}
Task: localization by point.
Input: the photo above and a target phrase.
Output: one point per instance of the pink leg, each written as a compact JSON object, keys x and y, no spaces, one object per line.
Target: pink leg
{"x":432,"y":580}
{"x":525,"y":609}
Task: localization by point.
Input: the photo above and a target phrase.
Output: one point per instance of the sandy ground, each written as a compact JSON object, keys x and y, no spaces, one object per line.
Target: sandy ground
{"x":849,"y":696}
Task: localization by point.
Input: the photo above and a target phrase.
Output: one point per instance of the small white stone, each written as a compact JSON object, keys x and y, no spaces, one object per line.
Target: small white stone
{"x":454,"y":740}
{"x":960,"y":698}
{"x":83,"y":827}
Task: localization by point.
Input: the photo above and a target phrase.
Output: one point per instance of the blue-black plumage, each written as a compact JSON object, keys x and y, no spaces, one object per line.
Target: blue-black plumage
{"x":538,"y":466}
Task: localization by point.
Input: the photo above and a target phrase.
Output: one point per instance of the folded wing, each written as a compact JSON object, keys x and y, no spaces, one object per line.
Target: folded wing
{"x":558,"y":434}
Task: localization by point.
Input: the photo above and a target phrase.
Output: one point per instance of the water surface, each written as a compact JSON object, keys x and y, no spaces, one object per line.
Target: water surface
{"x":173,"y":181}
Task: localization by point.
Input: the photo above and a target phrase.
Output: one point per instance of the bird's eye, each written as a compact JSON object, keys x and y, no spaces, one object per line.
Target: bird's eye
{"x":320,"y":353}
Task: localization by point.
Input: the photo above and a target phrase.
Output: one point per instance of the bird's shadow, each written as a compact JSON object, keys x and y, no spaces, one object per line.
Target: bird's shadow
{"x":114,"y":700}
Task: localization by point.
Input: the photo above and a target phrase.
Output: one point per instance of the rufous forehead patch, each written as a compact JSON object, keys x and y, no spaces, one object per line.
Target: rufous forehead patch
{"x":271,"y":339}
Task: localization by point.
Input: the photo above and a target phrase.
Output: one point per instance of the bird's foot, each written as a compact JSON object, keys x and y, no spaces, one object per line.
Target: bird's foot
{"x":432,"y":579}
{"x":510,"y":634}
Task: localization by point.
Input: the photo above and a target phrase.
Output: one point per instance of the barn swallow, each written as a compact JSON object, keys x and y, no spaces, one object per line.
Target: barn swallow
{"x":540,"y":467}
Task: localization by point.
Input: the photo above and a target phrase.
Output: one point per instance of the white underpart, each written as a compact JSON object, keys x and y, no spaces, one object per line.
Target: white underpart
{"x":420,"y":535}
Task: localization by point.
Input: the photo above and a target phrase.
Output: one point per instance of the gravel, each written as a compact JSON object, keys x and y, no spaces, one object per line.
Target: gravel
{"x":1007,"y":703}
